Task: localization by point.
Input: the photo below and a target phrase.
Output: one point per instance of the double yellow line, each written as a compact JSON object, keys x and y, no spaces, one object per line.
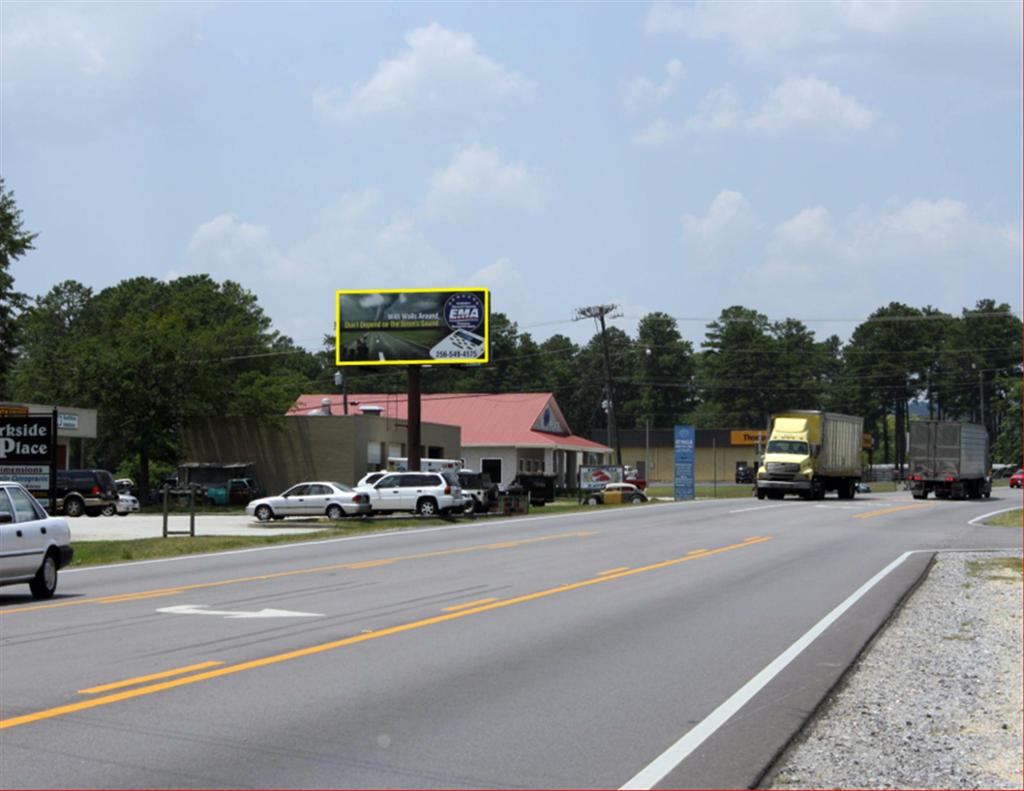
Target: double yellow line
{"x":471,"y":608}
{"x":365,"y":564}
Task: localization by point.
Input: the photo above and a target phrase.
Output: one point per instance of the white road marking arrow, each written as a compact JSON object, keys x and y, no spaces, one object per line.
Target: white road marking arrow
{"x":201,"y":609}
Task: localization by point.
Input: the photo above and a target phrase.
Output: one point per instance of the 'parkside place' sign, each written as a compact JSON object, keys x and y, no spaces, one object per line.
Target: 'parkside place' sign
{"x":25,"y":440}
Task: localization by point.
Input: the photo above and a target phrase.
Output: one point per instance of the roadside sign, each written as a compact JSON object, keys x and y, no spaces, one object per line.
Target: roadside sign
{"x":416,"y":326}
{"x":684,"y":450}
{"x":596,"y":476}
{"x":28,"y":450}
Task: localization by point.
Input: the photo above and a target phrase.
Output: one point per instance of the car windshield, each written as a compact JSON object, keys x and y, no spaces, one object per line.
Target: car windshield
{"x":787,"y":446}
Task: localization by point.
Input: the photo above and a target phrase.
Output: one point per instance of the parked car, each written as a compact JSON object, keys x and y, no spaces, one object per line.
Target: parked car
{"x":126,"y":504}
{"x":371,"y":478}
{"x":85,"y":492}
{"x":746,"y":475}
{"x":314,"y":498}
{"x":33,"y":544}
{"x":479,"y":494}
{"x":1017,"y":480}
{"x":632,"y":475}
{"x":235,"y":491}
{"x":614,"y":493}
{"x":424,"y":493}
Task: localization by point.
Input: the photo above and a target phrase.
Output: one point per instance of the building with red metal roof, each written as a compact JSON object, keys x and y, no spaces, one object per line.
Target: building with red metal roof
{"x":503,"y":434}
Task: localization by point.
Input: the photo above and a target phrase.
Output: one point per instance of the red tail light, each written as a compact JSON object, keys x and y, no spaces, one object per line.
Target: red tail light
{"x":950,"y":479}
{"x":447,"y":489}
{"x":96,"y":490}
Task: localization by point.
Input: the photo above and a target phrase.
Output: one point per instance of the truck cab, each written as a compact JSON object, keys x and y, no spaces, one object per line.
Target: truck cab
{"x":810,"y":452}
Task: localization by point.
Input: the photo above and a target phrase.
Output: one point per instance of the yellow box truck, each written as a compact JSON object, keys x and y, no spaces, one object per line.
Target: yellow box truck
{"x":810,"y":452}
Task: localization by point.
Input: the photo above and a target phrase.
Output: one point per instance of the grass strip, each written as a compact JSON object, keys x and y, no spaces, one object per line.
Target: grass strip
{"x":1006,"y":519}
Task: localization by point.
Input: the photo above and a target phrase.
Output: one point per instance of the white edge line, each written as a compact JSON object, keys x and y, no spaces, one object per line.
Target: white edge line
{"x":993,"y":513}
{"x":299,"y":544}
{"x":654,"y":772}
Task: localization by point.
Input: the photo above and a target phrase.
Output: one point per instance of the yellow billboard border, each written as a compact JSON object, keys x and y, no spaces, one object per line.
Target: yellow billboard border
{"x":460,"y":361}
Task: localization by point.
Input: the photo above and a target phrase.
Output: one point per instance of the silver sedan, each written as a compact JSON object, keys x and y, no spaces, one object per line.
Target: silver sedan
{"x":313,"y":498}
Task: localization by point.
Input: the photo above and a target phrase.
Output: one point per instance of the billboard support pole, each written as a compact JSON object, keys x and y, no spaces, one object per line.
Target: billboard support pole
{"x":413,"y":428}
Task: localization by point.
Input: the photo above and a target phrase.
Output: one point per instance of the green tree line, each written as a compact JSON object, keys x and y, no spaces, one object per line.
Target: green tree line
{"x":152,"y":354}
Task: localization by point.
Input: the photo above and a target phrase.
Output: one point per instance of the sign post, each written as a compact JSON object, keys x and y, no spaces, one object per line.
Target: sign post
{"x":684,"y":450}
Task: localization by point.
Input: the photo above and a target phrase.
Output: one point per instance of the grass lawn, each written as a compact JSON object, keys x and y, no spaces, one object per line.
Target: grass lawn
{"x":1006,"y":519}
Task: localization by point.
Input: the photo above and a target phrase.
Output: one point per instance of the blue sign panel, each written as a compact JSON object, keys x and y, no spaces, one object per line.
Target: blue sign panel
{"x":684,"y":443}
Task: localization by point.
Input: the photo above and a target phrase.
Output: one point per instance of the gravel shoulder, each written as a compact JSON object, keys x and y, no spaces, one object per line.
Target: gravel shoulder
{"x":936,"y":700}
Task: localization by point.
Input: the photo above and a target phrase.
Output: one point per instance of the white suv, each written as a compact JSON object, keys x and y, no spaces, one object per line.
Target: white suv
{"x":33,"y":545}
{"x":425,"y":493}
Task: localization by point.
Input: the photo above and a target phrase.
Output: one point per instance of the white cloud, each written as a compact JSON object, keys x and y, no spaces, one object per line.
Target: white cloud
{"x":881,"y":34}
{"x":921,"y":251}
{"x":440,"y":68}
{"x":509,"y":291}
{"x":69,"y":41}
{"x":641,"y":91}
{"x":354,"y":244}
{"x":717,"y":237}
{"x":807,"y":103}
{"x":802,"y":105}
{"x":478,"y":176}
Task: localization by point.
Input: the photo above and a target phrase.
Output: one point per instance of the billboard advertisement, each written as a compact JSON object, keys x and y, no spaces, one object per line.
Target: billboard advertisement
{"x":596,"y":476}
{"x":412,"y":326}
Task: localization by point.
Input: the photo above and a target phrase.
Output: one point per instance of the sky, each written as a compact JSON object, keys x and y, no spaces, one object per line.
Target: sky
{"x":809,"y":160}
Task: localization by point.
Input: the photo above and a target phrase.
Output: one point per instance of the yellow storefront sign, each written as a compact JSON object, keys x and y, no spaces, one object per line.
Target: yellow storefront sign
{"x":746,"y":437}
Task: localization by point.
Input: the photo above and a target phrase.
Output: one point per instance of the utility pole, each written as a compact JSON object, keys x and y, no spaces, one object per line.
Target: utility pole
{"x":598,"y":313}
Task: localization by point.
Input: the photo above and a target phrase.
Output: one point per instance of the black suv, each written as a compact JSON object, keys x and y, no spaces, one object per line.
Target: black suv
{"x":89,"y":492}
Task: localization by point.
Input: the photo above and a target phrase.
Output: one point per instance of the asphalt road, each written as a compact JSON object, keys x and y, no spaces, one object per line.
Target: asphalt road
{"x":675,"y":645}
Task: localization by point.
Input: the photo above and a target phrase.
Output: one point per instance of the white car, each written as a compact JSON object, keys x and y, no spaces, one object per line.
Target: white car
{"x":424,"y":493}
{"x":33,"y":544}
{"x":371,"y":478}
{"x":313,"y":498}
{"x":127,"y":504}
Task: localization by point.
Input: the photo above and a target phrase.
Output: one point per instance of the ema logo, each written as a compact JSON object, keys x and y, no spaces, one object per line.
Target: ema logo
{"x":463,"y":311}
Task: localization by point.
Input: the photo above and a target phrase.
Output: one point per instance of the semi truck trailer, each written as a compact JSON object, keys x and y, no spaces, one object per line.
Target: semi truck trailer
{"x":810,"y":452}
{"x":950,"y":459}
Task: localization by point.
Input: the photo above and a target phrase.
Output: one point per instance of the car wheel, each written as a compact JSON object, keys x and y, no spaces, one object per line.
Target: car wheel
{"x":427,"y":507}
{"x":636,"y":498}
{"x":264,"y":513}
{"x":73,"y":506}
{"x":335,"y":512}
{"x":470,"y":506}
{"x":45,"y":581}
{"x":108,"y":510}
{"x":593,"y":501}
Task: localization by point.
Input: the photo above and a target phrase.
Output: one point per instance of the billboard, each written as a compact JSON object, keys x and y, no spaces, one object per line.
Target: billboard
{"x":594,"y":476}
{"x":416,"y":326}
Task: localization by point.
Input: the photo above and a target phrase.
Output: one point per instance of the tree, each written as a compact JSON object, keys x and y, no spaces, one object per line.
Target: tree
{"x":14,"y":243}
{"x":45,"y":329}
{"x":150,"y":355}
{"x":737,"y":369}
{"x":887,"y":357}
{"x":665,"y":373}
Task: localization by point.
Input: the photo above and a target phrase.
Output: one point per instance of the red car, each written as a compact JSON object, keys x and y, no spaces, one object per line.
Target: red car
{"x":1017,"y":480}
